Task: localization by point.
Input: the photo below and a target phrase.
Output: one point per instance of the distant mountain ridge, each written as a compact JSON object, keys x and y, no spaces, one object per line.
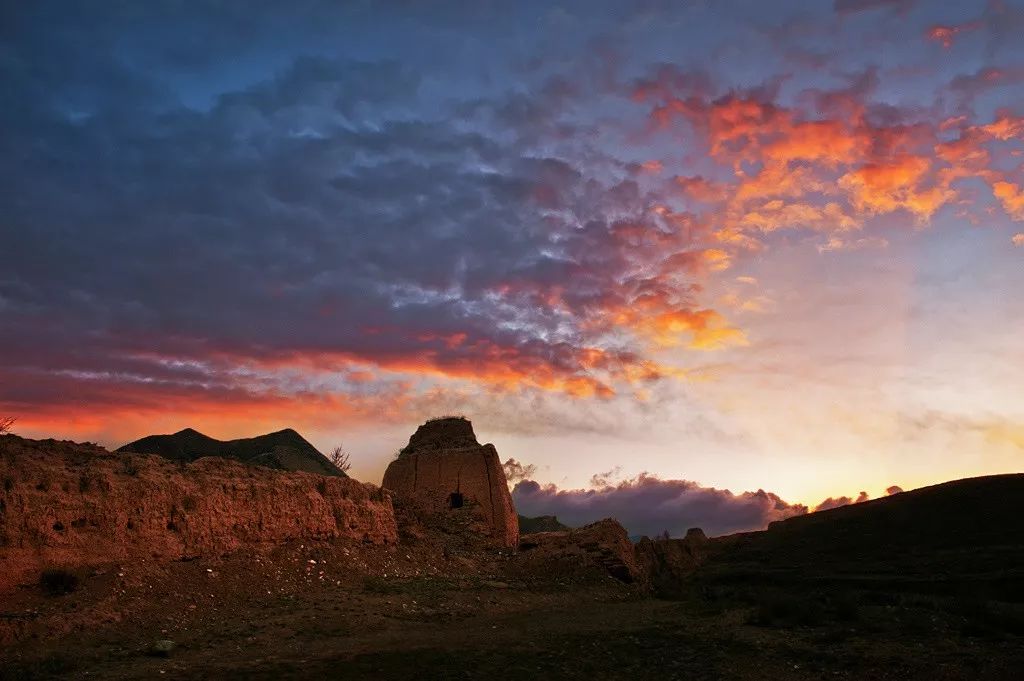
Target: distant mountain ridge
{"x":283,"y":450}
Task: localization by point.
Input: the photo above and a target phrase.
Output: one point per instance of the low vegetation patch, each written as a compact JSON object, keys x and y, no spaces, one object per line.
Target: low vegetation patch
{"x":58,"y":581}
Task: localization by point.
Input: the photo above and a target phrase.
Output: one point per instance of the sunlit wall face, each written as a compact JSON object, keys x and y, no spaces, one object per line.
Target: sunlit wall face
{"x":761,"y":246}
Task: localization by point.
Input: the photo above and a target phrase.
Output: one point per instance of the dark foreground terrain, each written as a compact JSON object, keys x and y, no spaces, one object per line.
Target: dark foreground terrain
{"x":397,"y":615}
{"x":923,"y":585}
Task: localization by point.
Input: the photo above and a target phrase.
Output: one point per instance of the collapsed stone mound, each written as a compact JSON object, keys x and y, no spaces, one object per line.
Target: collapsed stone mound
{"x":446,"y":475}
{"x":68,"y":505}
{"x":604,"y":548}
{"x":541,"y":523}
{"x":599,"y":548}
{"x":667,"y":562}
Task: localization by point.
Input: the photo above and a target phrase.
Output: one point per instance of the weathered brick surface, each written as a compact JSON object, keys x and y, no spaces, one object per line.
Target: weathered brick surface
{"x":443,"y":458}
{"x":64,"y":504}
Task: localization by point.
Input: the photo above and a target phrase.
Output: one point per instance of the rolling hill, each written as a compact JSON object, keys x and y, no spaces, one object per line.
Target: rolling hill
{"x":284,"y":450}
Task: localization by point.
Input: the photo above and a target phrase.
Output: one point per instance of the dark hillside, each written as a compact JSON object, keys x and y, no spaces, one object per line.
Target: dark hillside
{"x":285,"y":450}
{"x":961,"y":535}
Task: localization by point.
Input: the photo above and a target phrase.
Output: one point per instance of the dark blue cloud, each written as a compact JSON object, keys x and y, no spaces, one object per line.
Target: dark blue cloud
{"x":323,"y":209}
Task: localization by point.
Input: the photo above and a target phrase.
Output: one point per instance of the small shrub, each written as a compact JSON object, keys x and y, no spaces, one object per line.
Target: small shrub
{"x":340,"y":458}
{"x":5,"y":424}
{"x":57,"y":581}
{"x":129,"y":467}
{"x":188,"y":503}
{"x":445,"y":417}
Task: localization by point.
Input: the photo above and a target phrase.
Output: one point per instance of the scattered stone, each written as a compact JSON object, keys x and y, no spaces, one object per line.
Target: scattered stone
{"x":497,"y":585}
{"x":161,"y":647}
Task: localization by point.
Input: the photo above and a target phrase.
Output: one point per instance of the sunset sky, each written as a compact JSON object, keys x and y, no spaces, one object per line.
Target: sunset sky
{"x":751,"y":245}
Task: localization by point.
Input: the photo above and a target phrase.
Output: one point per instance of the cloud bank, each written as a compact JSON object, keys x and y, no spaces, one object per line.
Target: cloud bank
{"x":648,"y":505}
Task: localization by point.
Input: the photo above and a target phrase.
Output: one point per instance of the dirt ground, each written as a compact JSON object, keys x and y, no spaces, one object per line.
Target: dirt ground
{"x":352,"y":612}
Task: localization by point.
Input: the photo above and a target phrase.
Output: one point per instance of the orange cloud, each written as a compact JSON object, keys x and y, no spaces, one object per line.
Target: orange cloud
{"x":829,"y":142}
{"x":834,"y":168}
{"x":777,"y":214}
{"x":707,"y":329}
{"x":1005,"y":127}
{"x":1012,"y":198}
{"x":886,"y":187}
{"x":701,"y":189}
{"x":946,"y":34}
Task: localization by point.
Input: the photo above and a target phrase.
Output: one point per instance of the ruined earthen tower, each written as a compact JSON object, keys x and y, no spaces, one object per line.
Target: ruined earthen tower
{"x":444,"y":470}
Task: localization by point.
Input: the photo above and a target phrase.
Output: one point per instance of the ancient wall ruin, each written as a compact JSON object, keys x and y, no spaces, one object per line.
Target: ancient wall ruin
{"x":69,"y":505}
{"x":444,"y":470}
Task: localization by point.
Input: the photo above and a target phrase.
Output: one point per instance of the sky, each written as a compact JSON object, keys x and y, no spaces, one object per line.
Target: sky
{"x":722,"y":259}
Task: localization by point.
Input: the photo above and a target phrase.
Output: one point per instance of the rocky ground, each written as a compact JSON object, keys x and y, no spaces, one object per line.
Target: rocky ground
{"x":337,"y":610}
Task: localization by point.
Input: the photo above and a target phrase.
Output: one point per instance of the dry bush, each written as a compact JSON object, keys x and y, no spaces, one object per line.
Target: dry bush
{"x":340,"y":458}
{"x":5,"y":424}
{"x":446,"y":417}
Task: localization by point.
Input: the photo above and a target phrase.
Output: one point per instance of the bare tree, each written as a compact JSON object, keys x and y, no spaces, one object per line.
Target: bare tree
{"x":5,"y":424}
{"x":339,"y":457}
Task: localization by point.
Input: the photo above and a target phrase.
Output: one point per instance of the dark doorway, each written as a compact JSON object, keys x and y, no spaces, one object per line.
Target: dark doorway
{"x":455,"y":500}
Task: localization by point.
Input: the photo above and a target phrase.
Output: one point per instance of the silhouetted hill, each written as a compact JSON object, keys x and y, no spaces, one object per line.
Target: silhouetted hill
{"x":285,"y":450}
{"x":962,"y":534}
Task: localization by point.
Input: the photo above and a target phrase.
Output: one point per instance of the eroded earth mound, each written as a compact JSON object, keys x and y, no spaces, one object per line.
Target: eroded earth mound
{"x":69,"y":505}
